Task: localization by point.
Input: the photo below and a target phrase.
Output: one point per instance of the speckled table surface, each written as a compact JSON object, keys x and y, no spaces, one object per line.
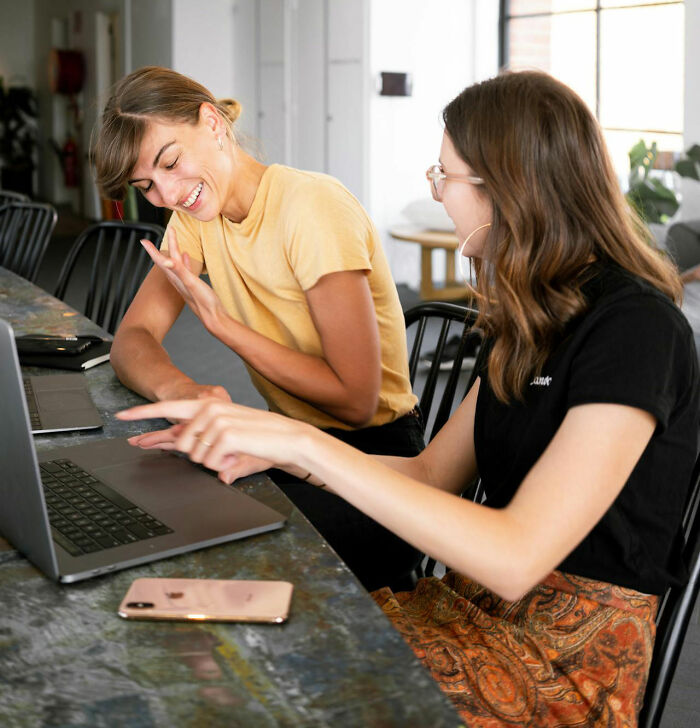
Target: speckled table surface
{"x":68,"y":660}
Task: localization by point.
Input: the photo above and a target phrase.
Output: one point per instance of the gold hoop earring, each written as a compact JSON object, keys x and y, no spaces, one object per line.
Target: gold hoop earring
{"x":220,"y":143}
{"x":468,"y":280}
{"x":471,"y":235}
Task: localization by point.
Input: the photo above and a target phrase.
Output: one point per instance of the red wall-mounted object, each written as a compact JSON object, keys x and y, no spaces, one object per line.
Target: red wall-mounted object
{"x":66,"y":71}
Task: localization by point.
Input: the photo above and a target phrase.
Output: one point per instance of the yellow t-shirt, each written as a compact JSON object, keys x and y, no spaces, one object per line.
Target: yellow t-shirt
{"x":300,"y":227}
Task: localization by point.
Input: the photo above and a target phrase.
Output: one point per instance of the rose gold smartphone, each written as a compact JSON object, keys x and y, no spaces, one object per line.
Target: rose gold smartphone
{"x":211,"y":600}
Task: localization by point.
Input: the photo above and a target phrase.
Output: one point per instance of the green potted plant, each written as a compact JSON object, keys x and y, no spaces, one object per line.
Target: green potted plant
{"x":653,"y":199}
{"x":18,"y":137}
{"x":689,"y":166}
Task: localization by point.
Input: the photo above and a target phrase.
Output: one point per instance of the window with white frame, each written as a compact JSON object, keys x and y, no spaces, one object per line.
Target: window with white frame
{"x":625,"y":58}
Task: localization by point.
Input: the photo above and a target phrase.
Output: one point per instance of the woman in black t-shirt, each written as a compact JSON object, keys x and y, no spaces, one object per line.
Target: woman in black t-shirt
{"x":582,"y":425}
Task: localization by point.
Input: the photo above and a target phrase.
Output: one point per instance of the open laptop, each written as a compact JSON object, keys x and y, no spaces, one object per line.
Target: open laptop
{"x":106,"y":505}
{"x":60,"y":402}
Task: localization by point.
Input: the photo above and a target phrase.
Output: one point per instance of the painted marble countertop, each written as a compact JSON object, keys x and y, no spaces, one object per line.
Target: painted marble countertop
{"x":67,"y":659}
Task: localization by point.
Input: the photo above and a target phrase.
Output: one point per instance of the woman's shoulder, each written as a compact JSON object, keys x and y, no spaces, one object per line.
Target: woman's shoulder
{"x":300,"y":186}
{"x":313,"y":196}
{"x":629,"y":320}
{"x":613,"y":287}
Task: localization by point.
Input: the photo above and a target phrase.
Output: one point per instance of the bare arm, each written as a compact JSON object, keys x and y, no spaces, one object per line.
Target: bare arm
{"x":344,"y":382}
{"x":449,"y":460}
{"x":138,"y":356}
{"x":508,"y":550}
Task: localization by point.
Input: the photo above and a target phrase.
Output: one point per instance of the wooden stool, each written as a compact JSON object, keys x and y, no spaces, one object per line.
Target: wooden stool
{"x":429,"y":240}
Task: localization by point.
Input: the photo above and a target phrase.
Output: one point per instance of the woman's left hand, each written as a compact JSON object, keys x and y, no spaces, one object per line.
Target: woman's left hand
{"x":196,"y":293}
{"x":226,"y":437}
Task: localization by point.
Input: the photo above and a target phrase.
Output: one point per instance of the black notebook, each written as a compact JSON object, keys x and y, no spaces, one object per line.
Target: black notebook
{"x":75,"y":353}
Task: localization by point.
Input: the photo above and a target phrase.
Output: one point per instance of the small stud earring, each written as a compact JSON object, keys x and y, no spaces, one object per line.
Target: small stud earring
{"x":221,"y":144}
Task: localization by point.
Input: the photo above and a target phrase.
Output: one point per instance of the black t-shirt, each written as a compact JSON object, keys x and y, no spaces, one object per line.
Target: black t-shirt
{"x":631,"y":346}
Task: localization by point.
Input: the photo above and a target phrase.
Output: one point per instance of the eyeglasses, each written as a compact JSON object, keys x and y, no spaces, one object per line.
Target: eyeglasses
{"x":437,"y":178}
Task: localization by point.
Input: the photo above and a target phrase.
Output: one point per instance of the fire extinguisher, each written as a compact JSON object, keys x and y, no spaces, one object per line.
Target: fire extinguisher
{"x":69,"y":157}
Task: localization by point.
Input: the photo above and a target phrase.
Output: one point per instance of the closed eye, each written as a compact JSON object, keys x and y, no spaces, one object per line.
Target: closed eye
{"x":171,"y":166}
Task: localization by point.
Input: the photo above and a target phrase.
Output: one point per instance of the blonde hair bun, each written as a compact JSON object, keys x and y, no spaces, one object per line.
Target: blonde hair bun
{"x":232,"y":108}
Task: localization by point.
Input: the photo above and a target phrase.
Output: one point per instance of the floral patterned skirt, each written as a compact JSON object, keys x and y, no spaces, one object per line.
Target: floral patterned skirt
{"x":571,"y":652}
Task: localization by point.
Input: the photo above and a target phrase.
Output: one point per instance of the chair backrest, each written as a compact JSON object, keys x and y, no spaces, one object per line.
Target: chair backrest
{"x":445,"y":320}
{"x":25,"y":231}
{"x":7,"y":196}
{"x":107,"y":264}
{"x":674,"y":614}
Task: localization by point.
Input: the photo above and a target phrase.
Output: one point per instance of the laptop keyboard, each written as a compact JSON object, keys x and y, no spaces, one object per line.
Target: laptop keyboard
{"x":87,"y":515}
{"x":31,"y":405}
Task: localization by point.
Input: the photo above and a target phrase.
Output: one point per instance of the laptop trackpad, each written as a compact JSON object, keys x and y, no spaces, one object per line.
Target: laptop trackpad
{"x":62,"y":401}
{"x":158,"y":482}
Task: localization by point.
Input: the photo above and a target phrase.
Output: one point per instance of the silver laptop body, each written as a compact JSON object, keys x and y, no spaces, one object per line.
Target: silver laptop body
{"x":60,"y":402}
{"x":197,"y":509}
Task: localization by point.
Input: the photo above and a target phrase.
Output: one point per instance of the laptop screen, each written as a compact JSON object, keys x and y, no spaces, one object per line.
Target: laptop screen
{"x":23,"y":517}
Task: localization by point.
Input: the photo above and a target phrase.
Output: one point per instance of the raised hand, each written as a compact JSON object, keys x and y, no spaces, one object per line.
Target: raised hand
{"x":196,"y":293}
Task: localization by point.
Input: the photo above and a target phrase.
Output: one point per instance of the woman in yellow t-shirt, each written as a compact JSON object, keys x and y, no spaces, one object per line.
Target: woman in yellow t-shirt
{"x":300,"y":290}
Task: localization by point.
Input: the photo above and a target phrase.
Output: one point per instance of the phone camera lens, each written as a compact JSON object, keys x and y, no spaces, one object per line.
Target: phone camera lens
{"x":140,"y":605}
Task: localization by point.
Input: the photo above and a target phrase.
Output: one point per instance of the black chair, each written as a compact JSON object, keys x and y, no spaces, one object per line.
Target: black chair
{"x":25,"y":231}
{"x":7,"y":196}
{"x":451,"y":318}
{"x":105,"y":267}
{"x":673,"y":617}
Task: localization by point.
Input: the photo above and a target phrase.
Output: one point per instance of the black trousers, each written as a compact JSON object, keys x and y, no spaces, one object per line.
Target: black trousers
{"x":374,"y":554}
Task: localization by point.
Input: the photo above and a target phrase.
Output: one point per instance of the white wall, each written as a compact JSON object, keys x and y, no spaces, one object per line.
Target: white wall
{"x":202,"y":38}
{"x":151,"y":41}
{"x":445,"y":46}
{"x":309,"y":107}
{"x":690,"y":208}
{"x":244,"y":54}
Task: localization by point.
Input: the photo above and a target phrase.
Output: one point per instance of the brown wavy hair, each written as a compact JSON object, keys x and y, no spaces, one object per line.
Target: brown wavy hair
{"x":149,"y":93}
{"x":557,"y":206}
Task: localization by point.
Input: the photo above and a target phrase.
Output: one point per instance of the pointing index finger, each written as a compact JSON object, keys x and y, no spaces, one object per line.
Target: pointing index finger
{"x":176,"y":409}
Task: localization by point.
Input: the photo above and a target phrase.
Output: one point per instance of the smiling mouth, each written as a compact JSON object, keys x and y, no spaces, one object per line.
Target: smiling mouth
{"x":194,"y":196}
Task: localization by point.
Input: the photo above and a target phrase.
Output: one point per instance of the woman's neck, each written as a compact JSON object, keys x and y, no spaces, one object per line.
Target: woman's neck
{"x":246,"y":175}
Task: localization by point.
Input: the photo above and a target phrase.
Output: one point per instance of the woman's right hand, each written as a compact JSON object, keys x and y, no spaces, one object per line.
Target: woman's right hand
{"x":231,"y":439}
{"x":237,"y":466}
